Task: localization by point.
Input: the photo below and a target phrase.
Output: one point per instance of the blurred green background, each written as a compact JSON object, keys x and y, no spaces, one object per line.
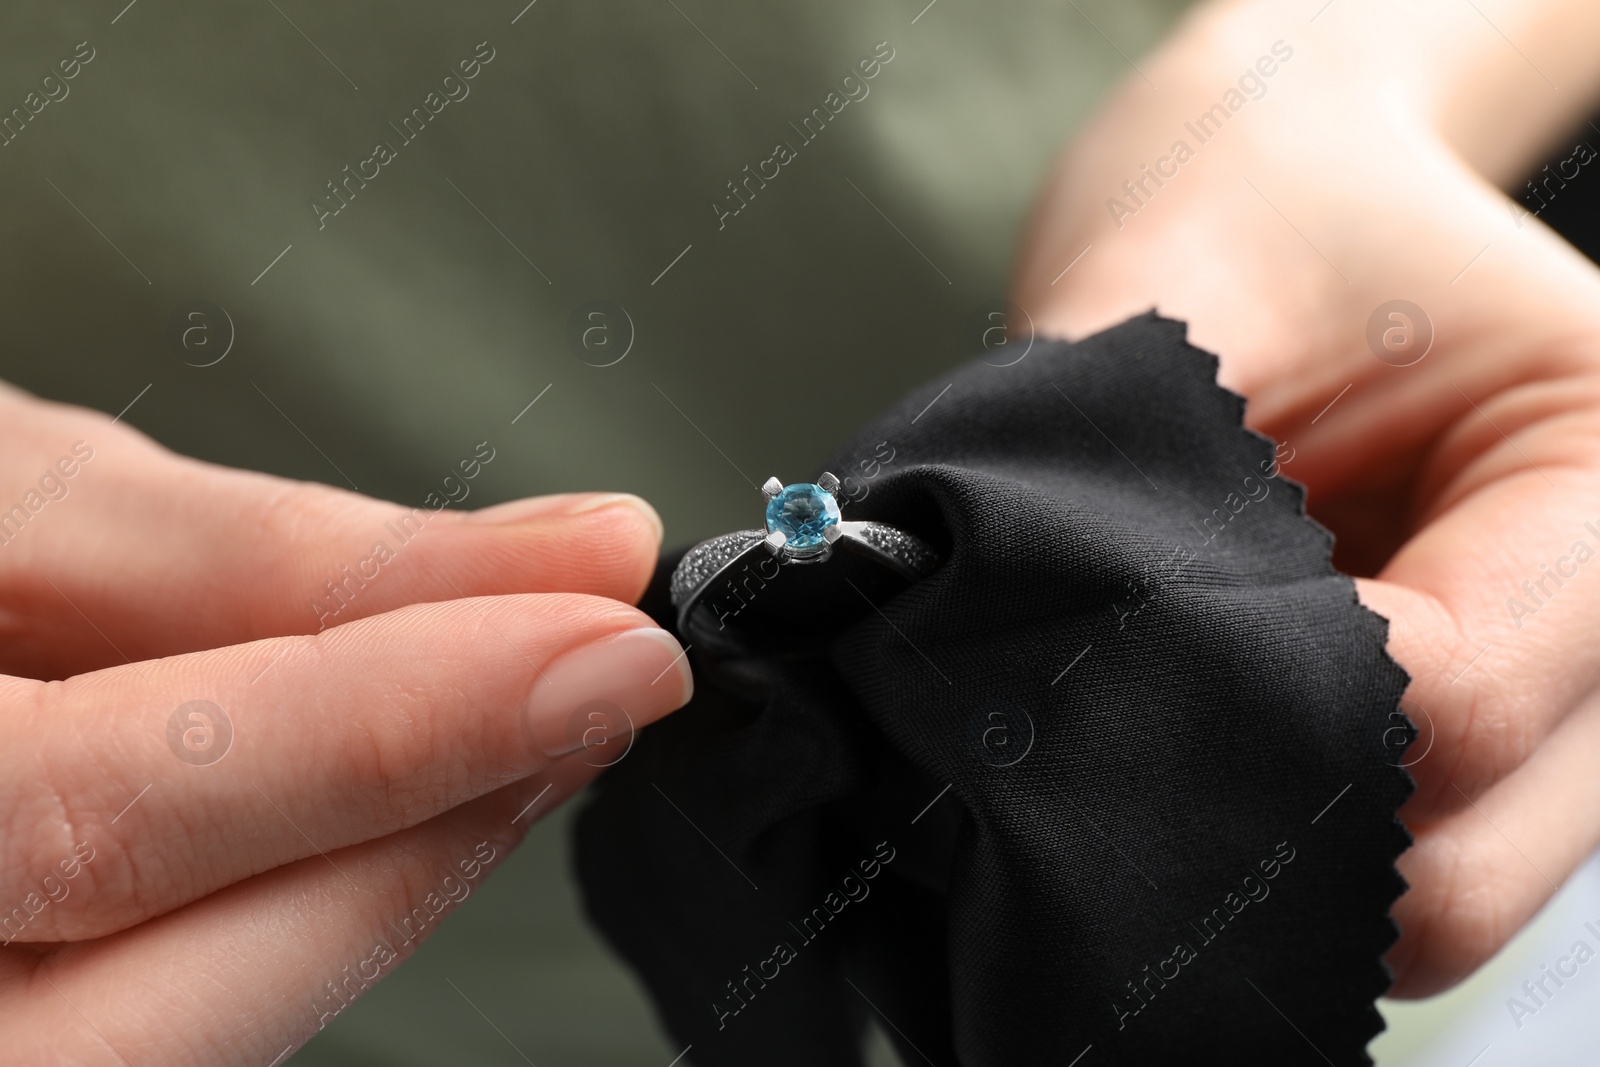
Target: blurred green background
{"x":376,"y":350}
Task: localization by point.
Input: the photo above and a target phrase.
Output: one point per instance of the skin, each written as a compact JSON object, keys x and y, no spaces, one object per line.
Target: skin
{"x":377,"y":767}
{"x":404,"y":742}
{"x":1367,"y":172}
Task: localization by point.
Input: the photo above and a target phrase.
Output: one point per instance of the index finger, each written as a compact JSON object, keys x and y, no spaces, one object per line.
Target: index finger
{"x":330,"y":740}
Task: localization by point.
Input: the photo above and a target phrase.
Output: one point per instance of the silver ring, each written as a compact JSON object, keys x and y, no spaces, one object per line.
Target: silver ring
{"x":719,"y":577}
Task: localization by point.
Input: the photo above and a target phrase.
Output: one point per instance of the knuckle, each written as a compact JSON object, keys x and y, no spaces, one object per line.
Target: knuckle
{"x":1485,"y":724}
{"x":38,"y":855}
{"x":385,"y":738}
{"x":1465,"y":903}
{"x":40,"y":824}
{"x":69,"y":876}
{"x":1474,"y":921}
{"x":55,"y":889}
{"x":1498,"y":736}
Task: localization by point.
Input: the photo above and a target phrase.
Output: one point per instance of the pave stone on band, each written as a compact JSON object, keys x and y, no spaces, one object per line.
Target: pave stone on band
{"x":803,"y":526}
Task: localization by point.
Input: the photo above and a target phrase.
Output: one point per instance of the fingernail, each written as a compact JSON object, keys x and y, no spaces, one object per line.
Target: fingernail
{"x":598,"y":694}
{"x":562,"y":504}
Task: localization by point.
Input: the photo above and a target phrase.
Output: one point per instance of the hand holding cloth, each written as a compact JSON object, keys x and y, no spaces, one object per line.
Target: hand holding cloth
{"x":1121,"y":776}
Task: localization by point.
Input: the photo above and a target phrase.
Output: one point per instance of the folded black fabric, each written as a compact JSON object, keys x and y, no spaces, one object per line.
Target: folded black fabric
{"x":1117,"y":782}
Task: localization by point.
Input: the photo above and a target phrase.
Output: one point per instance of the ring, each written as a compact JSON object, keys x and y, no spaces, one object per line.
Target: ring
{"x":718,"y":579}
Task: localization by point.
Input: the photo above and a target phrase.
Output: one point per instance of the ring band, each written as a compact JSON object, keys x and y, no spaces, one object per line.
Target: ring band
{"x":719,"y":577}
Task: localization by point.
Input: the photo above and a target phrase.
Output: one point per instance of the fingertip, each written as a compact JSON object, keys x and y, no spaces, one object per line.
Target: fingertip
{"x":602,"y":543}
{"x":626,"y":503}
{"x":617,"y":540}
{"x":568,"y":504}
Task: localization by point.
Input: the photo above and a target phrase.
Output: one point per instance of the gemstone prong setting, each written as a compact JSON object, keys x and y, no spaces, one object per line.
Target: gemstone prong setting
{"x":802,"y":514}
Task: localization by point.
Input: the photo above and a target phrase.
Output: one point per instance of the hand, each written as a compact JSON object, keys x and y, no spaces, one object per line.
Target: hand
{"x":1349,"y":181}
{"x":210,"y":883}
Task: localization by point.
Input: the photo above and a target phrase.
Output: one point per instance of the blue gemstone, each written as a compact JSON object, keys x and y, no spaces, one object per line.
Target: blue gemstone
{"x":802,"y":513}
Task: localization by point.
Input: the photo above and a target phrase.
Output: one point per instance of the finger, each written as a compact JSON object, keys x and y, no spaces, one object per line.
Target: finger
{"x":141,"y":553}
{"x":350,"y":735}
{"x":249,"y":973}
{"x":1492,"y":614}
{"x":1479,"y":874}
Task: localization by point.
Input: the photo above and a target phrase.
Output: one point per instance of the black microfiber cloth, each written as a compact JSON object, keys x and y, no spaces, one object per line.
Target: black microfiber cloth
{"x":1118,"y":781}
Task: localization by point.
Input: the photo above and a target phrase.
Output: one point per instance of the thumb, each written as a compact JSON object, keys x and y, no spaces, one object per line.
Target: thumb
{"x":146,"y":553}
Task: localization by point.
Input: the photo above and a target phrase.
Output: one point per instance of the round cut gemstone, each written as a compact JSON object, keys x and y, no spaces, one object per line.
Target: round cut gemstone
{"x":802,"y":513}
